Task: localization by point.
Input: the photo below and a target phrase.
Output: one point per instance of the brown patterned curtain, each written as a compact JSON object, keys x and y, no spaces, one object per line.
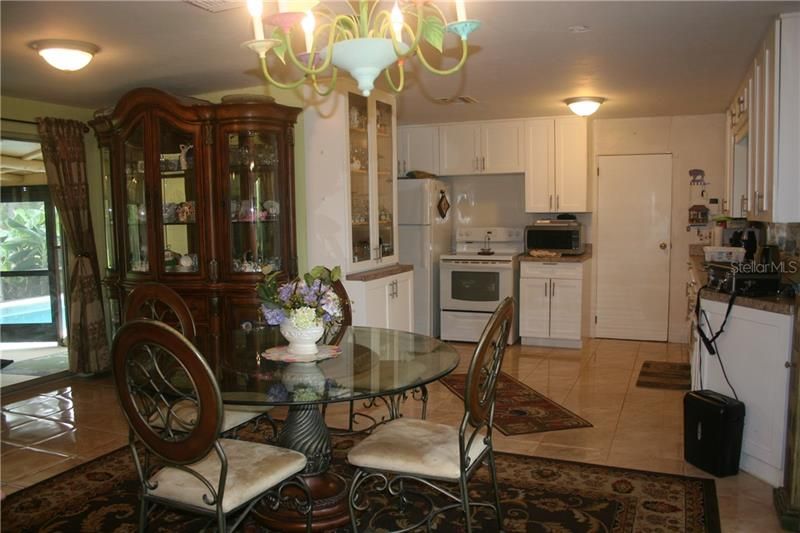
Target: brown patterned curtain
{"x":65,"y":164}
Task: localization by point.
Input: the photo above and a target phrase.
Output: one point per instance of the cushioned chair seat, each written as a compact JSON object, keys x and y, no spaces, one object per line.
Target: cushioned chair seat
{"x":184,"y":416}
{"x":413,"y":446}
{"x":252,"y":469}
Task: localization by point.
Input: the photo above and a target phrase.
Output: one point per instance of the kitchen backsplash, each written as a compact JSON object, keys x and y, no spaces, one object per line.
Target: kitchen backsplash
{"x":497,"y":200}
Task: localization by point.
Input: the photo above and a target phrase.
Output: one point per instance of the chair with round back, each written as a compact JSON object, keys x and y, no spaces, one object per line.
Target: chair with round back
{"x":181,"y":461}
{"x":333,"y":336}
{"x":408,"y":451}
{"x":157,"y":301}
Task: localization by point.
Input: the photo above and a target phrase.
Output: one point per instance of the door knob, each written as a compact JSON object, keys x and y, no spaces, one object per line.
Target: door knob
{"x":663,"y":246}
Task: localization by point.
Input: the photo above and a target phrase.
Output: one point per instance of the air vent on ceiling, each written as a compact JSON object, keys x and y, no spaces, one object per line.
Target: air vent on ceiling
{"x":457,"y":100}
{"x":216,"y":6}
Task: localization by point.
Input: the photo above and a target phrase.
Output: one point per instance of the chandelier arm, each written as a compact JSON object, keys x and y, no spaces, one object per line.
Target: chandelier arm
{"x":399,"y":87}
{"x":269,"y":78}
{"x":383,"y":27}
{"x":331,"y":84}
{"x":449,"y":71}
{"x":308,"y":69}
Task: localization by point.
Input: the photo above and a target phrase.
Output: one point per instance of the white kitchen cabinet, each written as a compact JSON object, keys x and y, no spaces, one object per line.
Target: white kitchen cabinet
{"x":765,"y":124}
{"x":417,"y":149}
{"x":387,"y":302}
{"x":556,"y":151}
{"x":551,"y":303}
{"x":492,"y":147}
{"x":351,"y":185}
{"x":755,"y":348}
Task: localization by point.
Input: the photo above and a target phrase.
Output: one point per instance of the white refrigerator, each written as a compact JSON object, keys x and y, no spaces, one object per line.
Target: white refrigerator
{"x":426,"y":232}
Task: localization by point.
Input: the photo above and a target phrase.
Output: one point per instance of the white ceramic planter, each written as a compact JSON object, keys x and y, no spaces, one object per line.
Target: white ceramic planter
{"x":301,"y":341}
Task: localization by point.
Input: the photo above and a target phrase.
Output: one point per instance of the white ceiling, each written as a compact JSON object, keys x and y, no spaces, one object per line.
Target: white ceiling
{"x":646,"y":58}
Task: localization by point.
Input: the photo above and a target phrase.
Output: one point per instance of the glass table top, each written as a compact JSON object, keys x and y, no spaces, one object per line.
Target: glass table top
{"x":372,"y":362}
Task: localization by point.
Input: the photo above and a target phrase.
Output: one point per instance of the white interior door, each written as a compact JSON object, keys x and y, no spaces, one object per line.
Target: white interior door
{"x":633,"y":246}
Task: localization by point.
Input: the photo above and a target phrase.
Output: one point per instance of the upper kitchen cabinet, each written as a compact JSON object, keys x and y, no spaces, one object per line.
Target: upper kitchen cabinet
{"x":556,"y":165}
{"x":200,"y":198}
{"x":417,"y":149}
{"x":764,"y":130}
{"x":351,"y":193}
{"x":492,"y":147}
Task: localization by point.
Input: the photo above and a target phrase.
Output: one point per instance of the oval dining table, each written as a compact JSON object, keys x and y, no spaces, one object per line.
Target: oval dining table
{"x":368,"y":363}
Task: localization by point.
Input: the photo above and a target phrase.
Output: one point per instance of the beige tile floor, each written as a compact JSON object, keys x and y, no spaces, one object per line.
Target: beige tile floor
{"x":53,"y":427}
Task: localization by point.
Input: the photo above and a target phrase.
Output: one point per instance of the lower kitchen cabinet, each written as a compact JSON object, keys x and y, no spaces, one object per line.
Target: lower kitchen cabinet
{"x":386,"y":302}
{"x":755,"y":349}
{"x":551,"y":304}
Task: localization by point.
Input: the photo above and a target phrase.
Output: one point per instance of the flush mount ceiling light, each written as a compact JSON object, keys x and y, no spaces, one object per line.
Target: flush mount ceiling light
{"x":367,"y":40}
{"x":584,"y":105}
{"x":65,"y":55}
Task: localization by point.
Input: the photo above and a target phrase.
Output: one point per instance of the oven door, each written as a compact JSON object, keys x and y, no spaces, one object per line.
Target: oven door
{"x":474,"y":286}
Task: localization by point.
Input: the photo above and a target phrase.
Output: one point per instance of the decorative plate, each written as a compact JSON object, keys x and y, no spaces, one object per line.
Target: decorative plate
{"x":282,"y":355}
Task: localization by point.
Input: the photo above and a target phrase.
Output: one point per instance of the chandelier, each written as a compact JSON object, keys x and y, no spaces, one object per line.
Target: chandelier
{"x":363,"y":42}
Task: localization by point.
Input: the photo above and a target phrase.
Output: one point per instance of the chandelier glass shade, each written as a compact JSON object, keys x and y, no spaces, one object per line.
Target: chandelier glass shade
{"x":364,"y":42}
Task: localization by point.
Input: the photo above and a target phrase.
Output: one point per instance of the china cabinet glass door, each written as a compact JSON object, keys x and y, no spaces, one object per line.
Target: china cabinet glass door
{"x":384,"y":144}
{"x":108,"y":209}
{"x":360,"y":204}
{"x":255,"y":201}
{"x":135,"y":201}
{"x":178,"y":192}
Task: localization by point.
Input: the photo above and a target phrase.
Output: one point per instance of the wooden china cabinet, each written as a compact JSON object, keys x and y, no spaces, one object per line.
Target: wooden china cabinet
{"x":199,"y":197}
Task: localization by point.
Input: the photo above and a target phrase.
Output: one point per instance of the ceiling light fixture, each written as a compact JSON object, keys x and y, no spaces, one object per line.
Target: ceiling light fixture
{"x":584,"y":105}
{"x":65,"y":55}
{"x":364,"y":42}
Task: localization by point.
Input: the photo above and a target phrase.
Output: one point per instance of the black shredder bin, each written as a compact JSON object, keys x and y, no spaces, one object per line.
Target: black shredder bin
{"x":712,"y":432}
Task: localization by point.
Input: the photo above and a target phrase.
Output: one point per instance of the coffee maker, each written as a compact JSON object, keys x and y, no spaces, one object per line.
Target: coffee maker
{"x":748,"y":238}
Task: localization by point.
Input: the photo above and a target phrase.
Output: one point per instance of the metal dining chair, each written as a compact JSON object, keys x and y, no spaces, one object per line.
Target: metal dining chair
{"x":334,"y":337}
{"x":412,"y":451}
{"x":181,"y":461}
{"x":157,"y":301}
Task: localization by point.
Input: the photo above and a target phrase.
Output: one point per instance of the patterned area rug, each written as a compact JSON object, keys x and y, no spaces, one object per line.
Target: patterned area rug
{"x":537,"y":495}
{"x":520,"y":409}
{"x":665,"y":375}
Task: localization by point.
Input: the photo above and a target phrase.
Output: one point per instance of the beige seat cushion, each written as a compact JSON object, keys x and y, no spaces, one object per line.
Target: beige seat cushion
{"x":252,"y":469}
{"x":413,"y":446}
{"x":184,"y":416}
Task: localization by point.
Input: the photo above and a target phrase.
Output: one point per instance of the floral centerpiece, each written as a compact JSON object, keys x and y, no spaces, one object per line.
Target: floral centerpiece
{"x":304,"y":307}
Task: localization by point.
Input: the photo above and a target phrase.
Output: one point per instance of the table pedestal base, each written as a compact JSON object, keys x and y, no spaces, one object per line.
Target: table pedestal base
{"x":329,"y":492}
{"x":305,"y":432}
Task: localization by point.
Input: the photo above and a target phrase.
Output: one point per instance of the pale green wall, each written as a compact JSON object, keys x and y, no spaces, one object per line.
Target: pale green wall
{"x":21,"y":109}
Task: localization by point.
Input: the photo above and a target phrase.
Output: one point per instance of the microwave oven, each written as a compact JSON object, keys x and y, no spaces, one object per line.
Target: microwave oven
{"x":560,"y":236}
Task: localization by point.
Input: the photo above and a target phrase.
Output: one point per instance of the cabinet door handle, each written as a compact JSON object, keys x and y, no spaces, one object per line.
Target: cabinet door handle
{"x":483,"y":163}
{"x":550,"y":207}
{"x":545,"y":288}
{"x":552,"y":289}
{"x":405,"y":167}
{"x":724,"y":205}
{"x":743,"y":203}
{"x":558,"y":203}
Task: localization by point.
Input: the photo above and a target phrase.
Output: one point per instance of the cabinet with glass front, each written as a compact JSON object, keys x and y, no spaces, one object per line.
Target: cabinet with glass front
{"x":199,"y":197}
{"x":372,"y":181}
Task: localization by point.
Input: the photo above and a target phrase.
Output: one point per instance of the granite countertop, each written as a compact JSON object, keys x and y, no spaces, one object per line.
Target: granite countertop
{"x":587,"y":254}
{"x":784,"y":305}
{"x":378,"y":273}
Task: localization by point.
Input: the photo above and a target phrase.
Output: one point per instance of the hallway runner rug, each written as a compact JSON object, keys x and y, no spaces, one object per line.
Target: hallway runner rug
{"x":665,"y":375}
{"x":537,"y":495}
{"x":520,"y":409}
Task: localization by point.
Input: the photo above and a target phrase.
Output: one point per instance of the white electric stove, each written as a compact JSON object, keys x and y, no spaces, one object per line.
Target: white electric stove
{"x":474,"y":280}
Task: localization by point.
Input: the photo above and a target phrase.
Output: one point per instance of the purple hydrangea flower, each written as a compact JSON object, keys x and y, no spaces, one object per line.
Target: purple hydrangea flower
{"x":273,"y":316}
{"x":286,"y":291}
